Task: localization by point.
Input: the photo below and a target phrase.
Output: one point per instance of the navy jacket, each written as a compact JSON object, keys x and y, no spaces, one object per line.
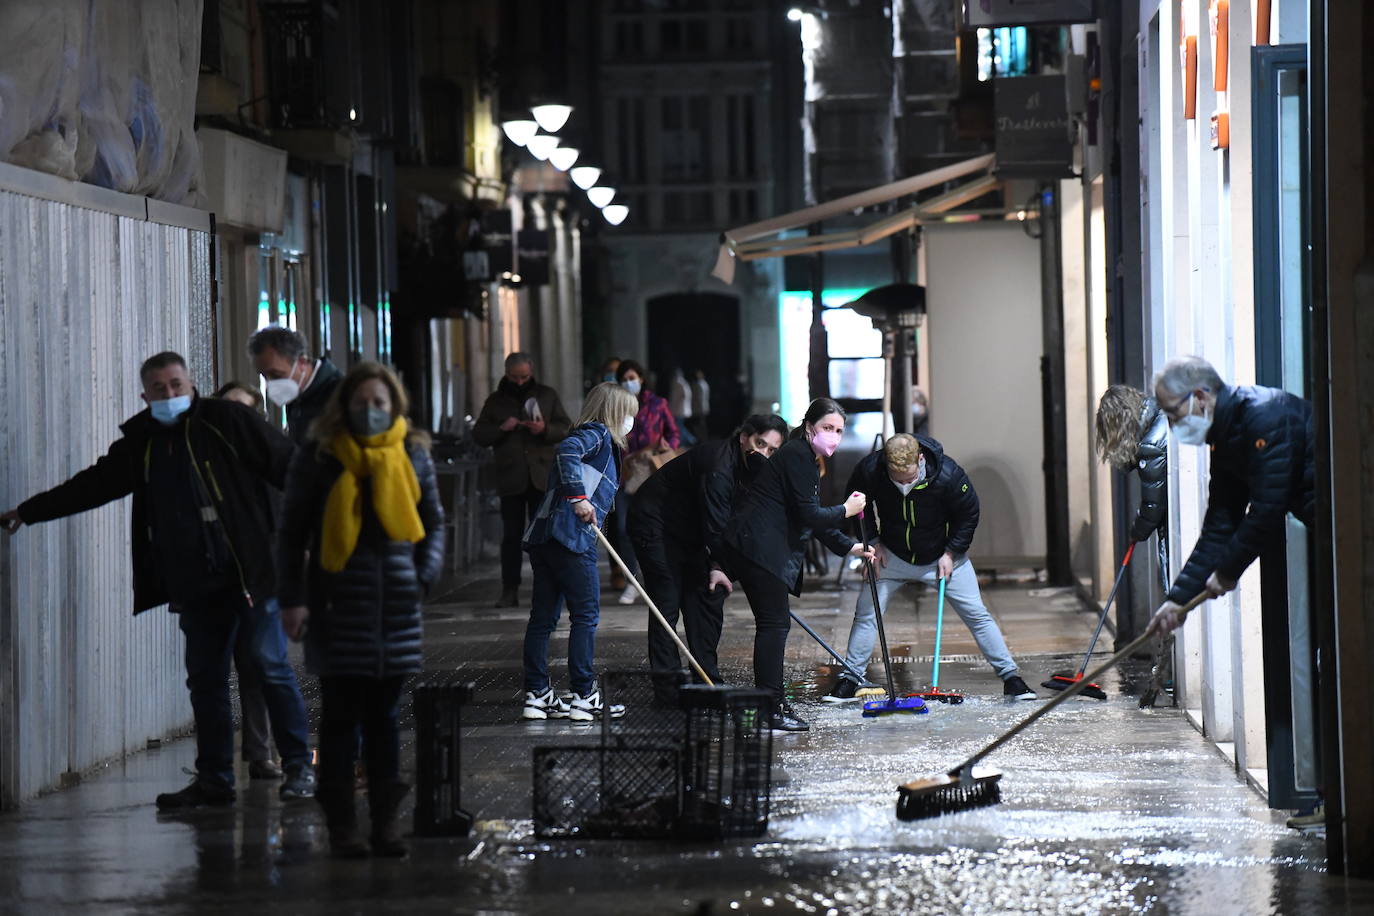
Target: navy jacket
{"x":1261,"y":469}
{"x":310,"y":403}
{"x":586,"y":463}
{"x":939,"y":514}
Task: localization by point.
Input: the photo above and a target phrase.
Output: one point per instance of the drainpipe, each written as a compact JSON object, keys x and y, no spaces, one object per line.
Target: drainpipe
{"x":1057,"y":566}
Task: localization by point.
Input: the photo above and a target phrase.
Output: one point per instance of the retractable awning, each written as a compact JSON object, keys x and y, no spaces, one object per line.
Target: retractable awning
{"x":748,"y":243}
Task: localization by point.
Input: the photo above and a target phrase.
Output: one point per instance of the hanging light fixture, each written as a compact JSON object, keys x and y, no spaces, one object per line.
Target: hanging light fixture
{"x":584,"y":176}
{"x":551,"y":117}
{"x":520,"y":131}
{"x":563,"y":158}
{"x":615,"y":214}
{"x":541,"y":146}
{"x":601,"y":195}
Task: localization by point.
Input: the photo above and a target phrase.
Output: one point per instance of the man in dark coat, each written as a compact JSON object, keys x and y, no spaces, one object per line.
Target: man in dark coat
{"x":294,"y":380}
{"x":521,"y":422}
{"x":201,"y":535}
{"x":926,"y":512}
{"x":1261,"y":470}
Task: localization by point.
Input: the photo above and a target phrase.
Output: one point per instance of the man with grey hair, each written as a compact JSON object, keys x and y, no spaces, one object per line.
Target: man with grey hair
{"x":1261,"y":470}
{"x":295,"y":380}
{"x":521,"y":422}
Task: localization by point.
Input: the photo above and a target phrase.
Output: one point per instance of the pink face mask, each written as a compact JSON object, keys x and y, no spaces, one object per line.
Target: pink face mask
{"x":825,"y":443}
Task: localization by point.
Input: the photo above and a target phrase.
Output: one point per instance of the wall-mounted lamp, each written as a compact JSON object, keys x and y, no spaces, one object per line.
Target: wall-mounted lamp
{"x":794,"y":14}
{"x":585,"y":176}
{"x":615,"y":213}
{"x":563,"y":158}
{"x":541,"y":146}
{"x":520,"y":131}
{"x":551,"y":117}
{"x":601,"y":195}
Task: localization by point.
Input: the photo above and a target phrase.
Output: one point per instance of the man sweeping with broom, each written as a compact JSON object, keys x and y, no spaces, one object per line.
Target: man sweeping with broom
{"x":927,"y":511}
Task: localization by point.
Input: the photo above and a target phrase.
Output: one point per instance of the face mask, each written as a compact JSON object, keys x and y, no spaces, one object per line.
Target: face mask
{"x":632,"y":385}
{"x":608,"y":377}
{"x":166,"y":412}
{"x":626,"y":425}
{"x":754,"y":462}
{"x":825,"y":443}
{"x":1191,"y":429}
{"x":369,"y":421}
{"x":283,"y":391}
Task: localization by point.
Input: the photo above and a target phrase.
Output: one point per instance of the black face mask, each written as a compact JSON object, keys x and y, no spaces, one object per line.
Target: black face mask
{"x":753,"y":463}
{"x":520,"y":390}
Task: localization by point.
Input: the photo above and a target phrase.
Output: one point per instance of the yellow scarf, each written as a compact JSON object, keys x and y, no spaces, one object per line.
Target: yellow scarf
{"x":395,"y":493}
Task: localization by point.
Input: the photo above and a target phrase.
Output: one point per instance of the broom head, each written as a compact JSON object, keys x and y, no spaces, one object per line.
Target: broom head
{"x":1064,"y":681}
{"x":936,"y":695}
{"x":948,"y":793}
{"x":909,"y":704}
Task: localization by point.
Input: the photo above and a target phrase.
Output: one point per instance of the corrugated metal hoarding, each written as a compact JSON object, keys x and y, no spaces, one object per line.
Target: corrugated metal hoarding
{"x":86,"y":293}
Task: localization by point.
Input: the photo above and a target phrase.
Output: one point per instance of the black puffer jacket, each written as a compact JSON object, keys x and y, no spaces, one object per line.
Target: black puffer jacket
{"x":1152,"y":463}
{"x":1261,"y":469}
{"x":310,"y":403}
{"x":365,"y":619}
{"x":776,"y":516}
{"x":937,"y":515}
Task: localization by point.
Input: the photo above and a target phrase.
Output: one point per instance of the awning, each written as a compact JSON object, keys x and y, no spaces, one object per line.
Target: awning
{"x":747,"y":243}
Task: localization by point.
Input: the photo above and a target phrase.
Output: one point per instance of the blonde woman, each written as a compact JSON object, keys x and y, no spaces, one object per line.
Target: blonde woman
{"x":1133,"y":435}
{"x":364,"y":502}
{"x":563,"y":555}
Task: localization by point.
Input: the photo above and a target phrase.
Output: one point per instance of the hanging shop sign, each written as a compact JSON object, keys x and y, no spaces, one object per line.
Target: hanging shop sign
{"x":987,"y":14}
{"x":532,"y":259}
{"x":1034,"y":133}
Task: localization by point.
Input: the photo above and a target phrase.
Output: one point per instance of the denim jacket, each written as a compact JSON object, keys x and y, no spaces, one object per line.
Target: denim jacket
{"x":586,"y":463}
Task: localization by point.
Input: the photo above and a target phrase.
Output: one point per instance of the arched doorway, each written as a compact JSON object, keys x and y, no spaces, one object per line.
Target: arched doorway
{"x":700,"y":332}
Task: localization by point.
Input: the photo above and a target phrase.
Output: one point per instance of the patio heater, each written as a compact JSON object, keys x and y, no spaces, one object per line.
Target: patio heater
{"x":896,"y":310}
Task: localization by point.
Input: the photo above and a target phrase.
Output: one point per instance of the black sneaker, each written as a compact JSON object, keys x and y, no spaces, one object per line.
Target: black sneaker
{"x":299,"y":782}
{"x":784,"y":719}
{"x":198,"y":794}
{"x":510,"y":597}
{"x":842,"y":692}
{"x":1014,"y":688}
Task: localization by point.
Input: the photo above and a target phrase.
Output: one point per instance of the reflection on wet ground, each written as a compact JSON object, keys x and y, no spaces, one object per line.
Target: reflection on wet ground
{"x":1105,"y":809}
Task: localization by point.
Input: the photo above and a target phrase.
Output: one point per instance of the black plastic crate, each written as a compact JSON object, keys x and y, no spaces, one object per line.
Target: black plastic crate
{"x":606,"y":792}
{"x":437,"y":700}
{"x":727,"y":762}
{"x":653,"y":709}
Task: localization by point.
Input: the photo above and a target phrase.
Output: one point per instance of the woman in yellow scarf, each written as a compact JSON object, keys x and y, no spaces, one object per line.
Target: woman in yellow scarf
{"x":364,"y":505}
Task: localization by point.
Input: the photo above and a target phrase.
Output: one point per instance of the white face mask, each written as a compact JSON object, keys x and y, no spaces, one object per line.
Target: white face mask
{"x":1191,"y":428}
{"x":283,"y":391}
{"x":626,"y":425}
{"x":632,"y":385}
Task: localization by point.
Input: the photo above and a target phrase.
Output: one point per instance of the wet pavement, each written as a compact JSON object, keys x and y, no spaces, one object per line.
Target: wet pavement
{"x":1106,"y":808}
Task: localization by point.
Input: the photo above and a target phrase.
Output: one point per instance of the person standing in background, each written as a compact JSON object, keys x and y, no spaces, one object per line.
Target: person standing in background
{"x":655,"y":429}
{"x":701,"y":406}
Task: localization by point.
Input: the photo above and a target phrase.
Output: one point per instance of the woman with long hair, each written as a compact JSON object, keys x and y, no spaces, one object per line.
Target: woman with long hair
{"x":1133,"y":435}
{"x":563,"y":554}
{"x":765,"y":541}
{"x":362,"y":500}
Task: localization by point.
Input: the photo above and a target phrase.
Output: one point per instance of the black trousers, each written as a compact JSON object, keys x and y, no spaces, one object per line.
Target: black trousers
{"x":516,"y":511}
{"x":770,"y":602}
{"x":676,"y":580}
{"x":348,"y":704}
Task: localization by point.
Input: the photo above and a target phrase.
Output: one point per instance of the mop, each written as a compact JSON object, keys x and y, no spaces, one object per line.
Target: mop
{"x":891,"y":704}
{"x":1063,"y":680}
{"x":969,"y":786}
{"x":935,"y":693}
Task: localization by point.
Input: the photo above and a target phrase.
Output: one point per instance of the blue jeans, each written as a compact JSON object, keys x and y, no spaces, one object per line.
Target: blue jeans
{"x":961,"y":594}
{"x":563,"y":577}
{"x":211,"y":631}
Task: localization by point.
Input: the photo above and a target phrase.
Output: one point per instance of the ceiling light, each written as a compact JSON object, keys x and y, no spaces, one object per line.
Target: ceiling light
{"x":520,"y":131}
{"x":584,"y":176}
{"x":541,"y":145}
{"x":615,"y":214}
{"x":794,"y":15}
{"x":563,"y":158}
{"x":601,"y":195}
{"x":551,"y":117}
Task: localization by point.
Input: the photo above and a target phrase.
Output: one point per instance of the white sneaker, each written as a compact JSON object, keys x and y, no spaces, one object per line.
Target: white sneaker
{"x":629,"y":596}
{"x":590,"y":708}
{"x":544,"y":705}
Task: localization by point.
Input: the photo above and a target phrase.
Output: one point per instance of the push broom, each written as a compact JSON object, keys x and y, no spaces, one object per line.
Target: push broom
{"x":935,"y":693}
{"x":1063,"y":680}
{"x":970,"y":786}
{"x":891,"y":704}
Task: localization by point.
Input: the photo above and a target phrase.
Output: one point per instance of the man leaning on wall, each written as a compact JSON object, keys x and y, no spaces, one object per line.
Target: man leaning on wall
{"x":201,"y":542}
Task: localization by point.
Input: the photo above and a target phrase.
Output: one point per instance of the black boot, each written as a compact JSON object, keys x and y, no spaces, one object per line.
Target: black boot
{"x":384,"y":802}
{"x":341,"y":816}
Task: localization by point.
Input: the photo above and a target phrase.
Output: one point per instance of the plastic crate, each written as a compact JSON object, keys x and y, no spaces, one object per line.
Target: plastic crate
{"x":606,"y":792}
{"x":727,"y":761}
{"x":437,"y":700}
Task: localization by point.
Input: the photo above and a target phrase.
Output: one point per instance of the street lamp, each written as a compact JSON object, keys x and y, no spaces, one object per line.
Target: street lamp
{"x":615,"y":213}
{"x":601,"y":195}
{"x":584,"y":176}
{"x":794,"y":15}
{"x":563,"y":158}
{"x":551,"y":117}
{"x":520,"y":131}
{"x":541,"y":146}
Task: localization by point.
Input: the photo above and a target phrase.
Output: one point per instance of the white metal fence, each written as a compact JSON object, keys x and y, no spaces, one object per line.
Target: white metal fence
{"x":91,"y":283}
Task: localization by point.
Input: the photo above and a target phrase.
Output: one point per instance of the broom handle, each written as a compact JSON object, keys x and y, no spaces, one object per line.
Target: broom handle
{"x":1125,"y":561}
{"x":877,"y":609}
{"x":826,"y":646}
{"x":701,"y":673}
{"x":1073,"y":689}
{"x":939,"y":629}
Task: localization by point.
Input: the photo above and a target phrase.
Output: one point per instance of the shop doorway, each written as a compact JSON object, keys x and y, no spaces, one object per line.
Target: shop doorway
{"x":700,"y":332}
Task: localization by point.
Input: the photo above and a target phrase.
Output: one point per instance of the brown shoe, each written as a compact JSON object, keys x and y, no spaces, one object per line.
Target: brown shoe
{"x":618,"y":582}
